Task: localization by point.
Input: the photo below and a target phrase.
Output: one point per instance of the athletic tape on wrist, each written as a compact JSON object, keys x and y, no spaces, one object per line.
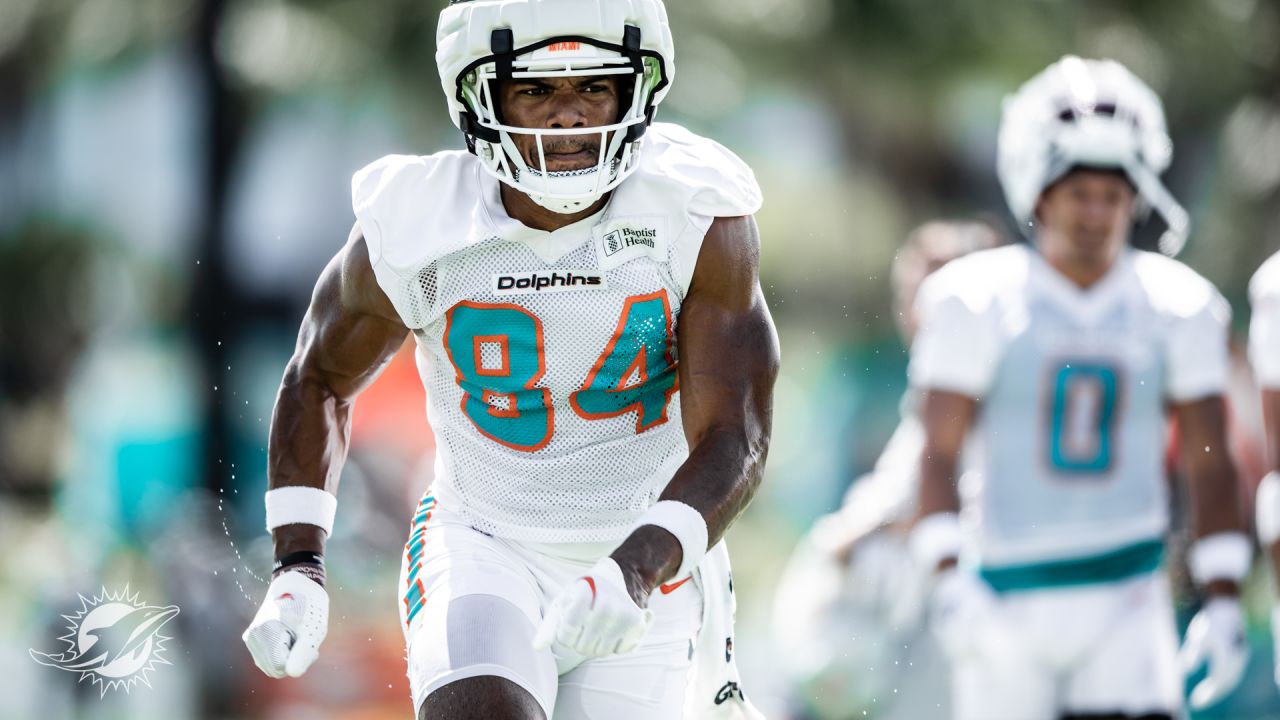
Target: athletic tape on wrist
{"x":1267,"y":509}
{"x":1220,"y":556}
{"x":934,"y":539}
{"x":687,"y":524}
{"x":301,"y":504}
{"x":297,"y":558}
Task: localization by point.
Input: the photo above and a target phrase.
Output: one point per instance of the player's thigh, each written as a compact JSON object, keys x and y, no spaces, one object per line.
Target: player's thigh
{"x":648,"y":682}
{"x":469,"y":609}
{"x":1133,"y":671}
{"x":1002,"y":688}
{"x":1014,"y":683}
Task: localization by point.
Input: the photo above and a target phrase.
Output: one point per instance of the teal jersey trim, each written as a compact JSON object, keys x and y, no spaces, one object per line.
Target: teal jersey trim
{"x":1120,"y":564}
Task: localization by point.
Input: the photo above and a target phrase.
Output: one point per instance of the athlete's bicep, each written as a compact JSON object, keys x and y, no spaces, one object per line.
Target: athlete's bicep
{"x":351,"y":330}
{"x":946,"y":416}
{"x":728,"y":347}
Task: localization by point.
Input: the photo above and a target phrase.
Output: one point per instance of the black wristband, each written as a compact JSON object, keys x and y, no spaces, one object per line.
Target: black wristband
{"x":298,"y":558}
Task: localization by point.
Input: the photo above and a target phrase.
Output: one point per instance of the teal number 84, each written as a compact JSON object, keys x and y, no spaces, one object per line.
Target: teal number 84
{"x":636,"y":371}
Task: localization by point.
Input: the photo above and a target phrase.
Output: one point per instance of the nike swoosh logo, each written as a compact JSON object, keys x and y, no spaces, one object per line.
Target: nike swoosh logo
{"x":668,"y":589}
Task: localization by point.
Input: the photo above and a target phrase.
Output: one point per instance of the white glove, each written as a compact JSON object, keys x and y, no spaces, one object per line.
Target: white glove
{"x":966,"y":620}
{"x":284,"y":637}
{"x":595,"y":615}
{"x":1216,"y":634}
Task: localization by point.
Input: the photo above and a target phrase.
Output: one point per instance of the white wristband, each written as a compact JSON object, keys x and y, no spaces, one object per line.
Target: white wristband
{"x":1220,"y":556}
{"x":301,"y":504}
{"x":1267,"y":509}
{"x":934,"y":539}
{"x":687,"y":524}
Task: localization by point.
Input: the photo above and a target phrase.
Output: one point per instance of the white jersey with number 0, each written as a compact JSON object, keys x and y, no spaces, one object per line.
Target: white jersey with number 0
{"x":549,"y":358}
{"x":1072,"y":387}
{"x":1264,"y":325}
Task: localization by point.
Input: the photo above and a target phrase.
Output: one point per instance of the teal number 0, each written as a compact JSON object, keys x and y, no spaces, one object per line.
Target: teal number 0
{"x":1082,"y":445}
{"x":503,"y":402}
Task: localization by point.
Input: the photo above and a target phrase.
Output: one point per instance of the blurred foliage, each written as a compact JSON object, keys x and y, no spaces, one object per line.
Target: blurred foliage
{"x":862,"y":119}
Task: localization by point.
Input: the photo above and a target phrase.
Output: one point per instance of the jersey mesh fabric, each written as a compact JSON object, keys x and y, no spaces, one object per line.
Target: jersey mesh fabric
{"x":595,"y":476}
{"x":555,"y":409}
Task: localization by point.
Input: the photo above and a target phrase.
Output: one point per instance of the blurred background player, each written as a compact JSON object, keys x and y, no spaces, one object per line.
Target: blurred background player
{"x":1058,"y":362}
{"x":848,"y":611}
{"x":1264,"y":356}
{"x":548,"y":276}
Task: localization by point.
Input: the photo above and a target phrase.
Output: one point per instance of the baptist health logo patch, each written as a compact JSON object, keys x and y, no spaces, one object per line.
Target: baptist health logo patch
{"x":114,"y":641}
{"x":626,"y":239}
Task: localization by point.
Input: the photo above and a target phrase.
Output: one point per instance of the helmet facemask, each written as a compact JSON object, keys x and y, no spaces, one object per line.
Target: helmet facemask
{"x":640,"y":75}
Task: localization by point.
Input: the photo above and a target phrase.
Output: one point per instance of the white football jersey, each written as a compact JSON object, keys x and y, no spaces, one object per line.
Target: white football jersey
{"x":1068,"y":445}
{"x":549,"y":358}
{"x":1264,"y":325}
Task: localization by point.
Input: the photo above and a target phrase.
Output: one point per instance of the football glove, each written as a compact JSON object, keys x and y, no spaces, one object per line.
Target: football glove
{"x":284,"y":637}
{"x":594,"y":615}
{"x":1216,"y":635}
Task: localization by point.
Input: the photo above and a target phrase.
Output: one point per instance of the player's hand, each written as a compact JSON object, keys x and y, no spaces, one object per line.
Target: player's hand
{"x":595,"y":615}
{"x":284,"y":637}
{"x":965,"y":616}
{"x":1216,"y":635}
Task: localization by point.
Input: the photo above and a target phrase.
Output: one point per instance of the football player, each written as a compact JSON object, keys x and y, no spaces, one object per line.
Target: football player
{"x":1264,"y":356}
{"x":582,"y":288}
{"x":1059,"y":362}
{"x":848,"y":613}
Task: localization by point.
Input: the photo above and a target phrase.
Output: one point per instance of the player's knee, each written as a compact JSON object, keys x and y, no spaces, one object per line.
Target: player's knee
{"x":483,"y":697}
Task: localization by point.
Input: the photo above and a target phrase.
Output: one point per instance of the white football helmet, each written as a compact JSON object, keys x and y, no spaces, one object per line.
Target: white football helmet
{"x":1090,"y":113}
{"x":480,"y":42}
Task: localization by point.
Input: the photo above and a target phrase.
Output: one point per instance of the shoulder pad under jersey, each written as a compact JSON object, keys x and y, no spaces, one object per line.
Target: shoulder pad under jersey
{"x":413,"y":210}
{"x":1175,"y":289}
{"x":683,"y":171}
{"x":978,"y":279}
{"x":1265,"y":283}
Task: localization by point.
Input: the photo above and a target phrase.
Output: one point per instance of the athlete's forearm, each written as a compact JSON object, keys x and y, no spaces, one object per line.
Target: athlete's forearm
{"x":728,"y":417}
{"x":350,"y":333}
{"x":310,"y":434}
{"x":721,"y":476}
{"x":938,"y":492}
{"x":719,"y":479}
{"x":946,"y":417}
{"x":1211,"y":474}
{"x":1271,"y":424}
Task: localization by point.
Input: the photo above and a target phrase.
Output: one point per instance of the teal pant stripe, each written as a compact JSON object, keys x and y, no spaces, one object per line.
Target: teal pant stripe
{"x":1126,"y":562}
